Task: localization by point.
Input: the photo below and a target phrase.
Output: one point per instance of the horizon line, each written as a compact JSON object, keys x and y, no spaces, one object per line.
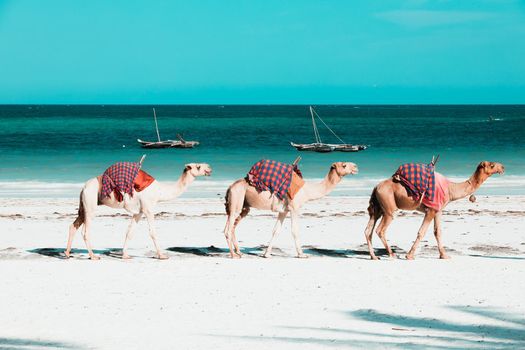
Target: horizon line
{"x":261,"y":104}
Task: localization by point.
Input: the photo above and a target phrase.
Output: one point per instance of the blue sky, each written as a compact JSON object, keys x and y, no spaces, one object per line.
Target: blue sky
{"x":268,"y":51}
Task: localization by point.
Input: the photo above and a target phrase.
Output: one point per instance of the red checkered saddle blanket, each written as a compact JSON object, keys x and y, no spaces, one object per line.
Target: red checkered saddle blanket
{"x":418,"y":179}
{"x":124,"y":177}
{"x":273,"y":176}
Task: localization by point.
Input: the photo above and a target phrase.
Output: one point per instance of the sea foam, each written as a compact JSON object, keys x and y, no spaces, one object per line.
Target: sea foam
{"x":501,"y":185}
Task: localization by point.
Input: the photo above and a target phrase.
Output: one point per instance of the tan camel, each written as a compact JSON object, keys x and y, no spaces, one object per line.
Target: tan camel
{"x":389,"y":196}
{"x":240,"y":197}
{"x":142,"y":203}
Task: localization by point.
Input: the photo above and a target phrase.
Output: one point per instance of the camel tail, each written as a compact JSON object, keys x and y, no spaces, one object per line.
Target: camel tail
{"x":374,"y":208}
{"x":227,"y":201}
{"x":81,"y":212}
{"x":227,"y":204}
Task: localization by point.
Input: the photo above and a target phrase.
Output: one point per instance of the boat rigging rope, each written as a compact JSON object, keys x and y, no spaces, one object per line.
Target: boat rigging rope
{"x":322,"y":121}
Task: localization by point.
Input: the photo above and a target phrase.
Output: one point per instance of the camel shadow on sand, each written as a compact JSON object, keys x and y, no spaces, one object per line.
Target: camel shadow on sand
{"x":258,"y":251}
{"x":497,"y":257}
{"x":58,"y":253}
{"x":212,"y":251}
{"x":18,"y":343}
{"x":360,"y":253}
{"x":503,"y":330}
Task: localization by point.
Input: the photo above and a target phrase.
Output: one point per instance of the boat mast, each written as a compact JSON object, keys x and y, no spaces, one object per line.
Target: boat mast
{"x":316,"y":132}
{"x":156,"y":126}
{"x":322,"y":121}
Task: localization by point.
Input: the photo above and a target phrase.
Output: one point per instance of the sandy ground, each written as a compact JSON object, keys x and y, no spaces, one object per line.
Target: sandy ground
{"x":200,"y":299}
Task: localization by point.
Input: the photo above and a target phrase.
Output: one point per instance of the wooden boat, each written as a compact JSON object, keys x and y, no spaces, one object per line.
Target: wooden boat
{"x":168,"y":144}
{"x":180,"y":143}
{"x":319,"y":146}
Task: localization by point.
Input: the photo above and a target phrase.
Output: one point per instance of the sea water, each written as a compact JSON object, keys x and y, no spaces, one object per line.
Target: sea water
{"x":50,"y":151}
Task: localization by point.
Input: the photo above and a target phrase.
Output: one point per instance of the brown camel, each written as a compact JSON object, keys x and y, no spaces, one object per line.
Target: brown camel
{"x":240,"y":197}
{"x":389,"y":196}
{"x":142,"y":203}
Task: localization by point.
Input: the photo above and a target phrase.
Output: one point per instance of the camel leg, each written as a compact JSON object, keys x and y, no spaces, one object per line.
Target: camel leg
{"x":72,"y":230}
{"x":234,"y":209}
{"x":234,"y":236}
{"x":129,"y":234}
{"x":85,"y":233}
{"x":236,"y":244}
{"x":381,"y":232}
{"x":275,"y":233}
{"x":295,"y":234}
{"x":437,"y":234}
{"x":86,"y":213}
{"x":229,"y":234}
{"x":75,"y":225}
{"x":153,"y":234}
{"x":429,"y":216}
{"x":369,"y":232}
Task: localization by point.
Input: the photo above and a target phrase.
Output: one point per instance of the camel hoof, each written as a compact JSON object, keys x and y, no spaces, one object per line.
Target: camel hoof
{"x":302,"y":256}
{"x":444,"y":256}
{"x":267,"y":255}
{"x":393,"y":256}
{"x":126,"y":257}
{"x":374,"y":258}
{"x":163,"y":257}
{"x":410,"y":257}
{"x":94,"y":257}
{"x":235,"y":256}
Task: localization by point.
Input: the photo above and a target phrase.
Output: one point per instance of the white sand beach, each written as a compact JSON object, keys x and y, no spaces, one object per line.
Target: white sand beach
{"x":201,"y":299}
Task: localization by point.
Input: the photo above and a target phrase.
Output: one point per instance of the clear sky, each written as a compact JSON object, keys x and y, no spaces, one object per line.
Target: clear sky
{"x":267,"y":51}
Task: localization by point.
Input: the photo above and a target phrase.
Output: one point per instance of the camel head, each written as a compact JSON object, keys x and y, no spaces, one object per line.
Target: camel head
{"x":490,"y":168}
{"x":198,"y":169}
{"x":344,"y":168}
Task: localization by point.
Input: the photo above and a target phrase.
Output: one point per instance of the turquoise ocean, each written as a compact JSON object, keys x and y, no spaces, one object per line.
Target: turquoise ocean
{"x":50,"y":151}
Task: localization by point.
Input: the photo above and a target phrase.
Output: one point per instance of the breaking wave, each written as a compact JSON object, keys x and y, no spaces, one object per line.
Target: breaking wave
{"x":504,"y":185}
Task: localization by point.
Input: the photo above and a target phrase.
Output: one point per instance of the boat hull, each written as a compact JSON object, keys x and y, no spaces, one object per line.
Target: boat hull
{"x":313,"y":147}
{"x":327,"y":147}
{"x":167,"y":144}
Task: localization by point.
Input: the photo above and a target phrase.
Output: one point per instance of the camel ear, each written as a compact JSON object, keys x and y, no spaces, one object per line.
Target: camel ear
{"x":483,"y":164}
{"x":334,"y":165}
{"x":187,"y":167}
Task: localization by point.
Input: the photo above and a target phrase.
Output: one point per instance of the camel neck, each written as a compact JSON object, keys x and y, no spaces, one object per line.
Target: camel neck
{"x":326,"y":186}
{"x":171,"y":191}
{"x":466,"y":188}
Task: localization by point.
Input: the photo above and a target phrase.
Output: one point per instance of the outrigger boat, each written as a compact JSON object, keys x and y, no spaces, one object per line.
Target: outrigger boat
{"x":319,"y":146}
{"x":180,"y":143}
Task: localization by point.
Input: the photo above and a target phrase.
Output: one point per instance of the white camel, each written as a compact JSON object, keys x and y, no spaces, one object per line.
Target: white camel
{"x":141,"y":203}
{"x":241,"y":196}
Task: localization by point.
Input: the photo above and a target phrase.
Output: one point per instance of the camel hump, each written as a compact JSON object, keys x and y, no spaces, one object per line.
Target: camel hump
{"x":374,"y":208}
